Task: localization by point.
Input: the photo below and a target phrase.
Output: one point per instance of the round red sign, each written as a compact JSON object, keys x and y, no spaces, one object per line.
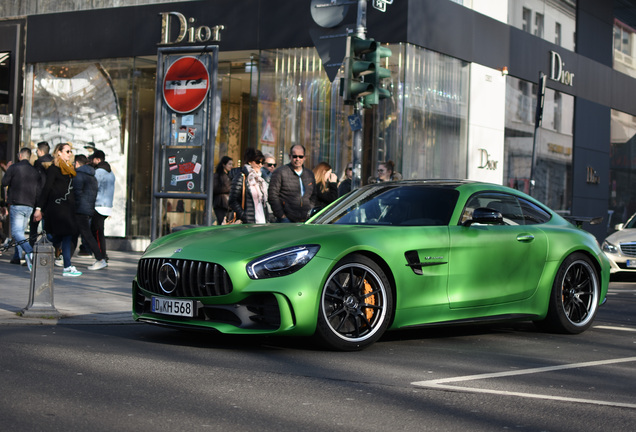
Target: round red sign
{"x":186,"y":84}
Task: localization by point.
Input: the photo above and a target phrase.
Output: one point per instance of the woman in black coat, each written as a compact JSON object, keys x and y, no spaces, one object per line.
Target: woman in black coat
{"x":56,"y":204}
{"x":248,"y":196}
{"x":222,"y":185}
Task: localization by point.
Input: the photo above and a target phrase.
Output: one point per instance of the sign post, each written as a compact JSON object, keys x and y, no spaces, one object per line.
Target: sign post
{"x":185,"y":130}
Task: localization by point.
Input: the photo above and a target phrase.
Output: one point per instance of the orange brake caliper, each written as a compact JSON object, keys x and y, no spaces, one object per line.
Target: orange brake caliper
{"x":369,"y":300}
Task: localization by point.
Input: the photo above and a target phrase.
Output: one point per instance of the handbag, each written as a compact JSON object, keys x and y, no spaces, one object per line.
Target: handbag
{"x":231,"y":218}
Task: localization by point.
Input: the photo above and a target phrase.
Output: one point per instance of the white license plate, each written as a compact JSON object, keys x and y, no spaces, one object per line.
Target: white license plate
{"x":631,"y":263}
{"x":176,"y":307}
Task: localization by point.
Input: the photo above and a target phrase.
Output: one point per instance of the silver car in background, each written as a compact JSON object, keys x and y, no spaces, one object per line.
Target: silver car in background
{"x":620,"y":247}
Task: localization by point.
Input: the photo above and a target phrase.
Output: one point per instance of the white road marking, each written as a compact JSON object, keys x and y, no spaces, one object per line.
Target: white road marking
{"x":627,"y":329}
{"x":442,"y":384}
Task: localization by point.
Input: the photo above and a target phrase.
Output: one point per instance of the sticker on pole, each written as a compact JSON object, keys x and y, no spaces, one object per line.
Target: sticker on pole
{"x":186,"y":84}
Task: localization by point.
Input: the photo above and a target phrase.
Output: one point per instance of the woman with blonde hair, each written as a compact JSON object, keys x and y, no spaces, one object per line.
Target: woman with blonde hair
{"x":327,"y":185}
{"x":56,"y":204}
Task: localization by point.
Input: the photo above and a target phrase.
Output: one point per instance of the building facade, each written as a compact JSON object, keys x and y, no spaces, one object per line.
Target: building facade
{"x":465,"y":80}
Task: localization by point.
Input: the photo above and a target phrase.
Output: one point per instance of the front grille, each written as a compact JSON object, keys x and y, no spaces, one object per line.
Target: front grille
{"x":629,"y":249}
{"x":196,"y":278}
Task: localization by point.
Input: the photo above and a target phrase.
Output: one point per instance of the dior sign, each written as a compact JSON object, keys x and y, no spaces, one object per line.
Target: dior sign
{"x":188,"y":32}
{"x":557,"y":70}
{"x":485,"y":162}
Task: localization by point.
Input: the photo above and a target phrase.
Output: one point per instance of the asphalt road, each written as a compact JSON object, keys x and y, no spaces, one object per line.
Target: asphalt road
{"x":504,"y":377}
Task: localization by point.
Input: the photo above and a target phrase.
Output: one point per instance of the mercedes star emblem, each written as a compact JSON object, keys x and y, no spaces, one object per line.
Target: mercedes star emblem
{"x":168,"y":278}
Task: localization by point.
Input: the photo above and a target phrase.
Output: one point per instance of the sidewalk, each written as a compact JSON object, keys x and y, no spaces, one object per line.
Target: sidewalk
{"x":95,"y":297}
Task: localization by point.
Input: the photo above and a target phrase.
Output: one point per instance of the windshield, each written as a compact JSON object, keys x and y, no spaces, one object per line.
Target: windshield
{"x":395,"y":205}
{"x":631,"y":223}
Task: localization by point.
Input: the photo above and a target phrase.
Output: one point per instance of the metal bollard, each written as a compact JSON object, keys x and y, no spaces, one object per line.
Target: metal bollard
{"x":41,"y":293}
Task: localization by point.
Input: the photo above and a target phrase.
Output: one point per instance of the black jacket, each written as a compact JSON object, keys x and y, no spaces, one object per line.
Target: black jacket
{"x":284,"y":193}
{"x":57,"y":202}
{"x":221,"y":190}
{"x":323,"y":199}
{"x":24,"y":183}
{"x":85,"y":190}
{"x":246,"y":214}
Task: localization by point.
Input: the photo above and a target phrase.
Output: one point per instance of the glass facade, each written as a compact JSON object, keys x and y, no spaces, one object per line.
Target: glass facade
{"x":552,"y":144}
{"x":269,"y":101}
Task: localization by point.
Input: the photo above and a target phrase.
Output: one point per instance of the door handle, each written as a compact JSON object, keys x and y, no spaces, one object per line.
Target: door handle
{"x":525,"y":238}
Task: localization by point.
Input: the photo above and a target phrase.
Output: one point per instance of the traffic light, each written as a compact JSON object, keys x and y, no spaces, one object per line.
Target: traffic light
{"x":364,"y":72}
{"x":375,"y":57}
{"x":357,"y":66}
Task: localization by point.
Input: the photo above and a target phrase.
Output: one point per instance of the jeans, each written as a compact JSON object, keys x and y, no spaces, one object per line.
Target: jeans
{"x":19,"y":216}
{"x":66,"y":243}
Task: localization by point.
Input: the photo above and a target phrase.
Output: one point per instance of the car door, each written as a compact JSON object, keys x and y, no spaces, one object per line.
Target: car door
{"x":494,"y":264}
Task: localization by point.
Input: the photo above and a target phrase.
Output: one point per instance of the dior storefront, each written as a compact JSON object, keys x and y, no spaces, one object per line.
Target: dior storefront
{"x":463,"y":83}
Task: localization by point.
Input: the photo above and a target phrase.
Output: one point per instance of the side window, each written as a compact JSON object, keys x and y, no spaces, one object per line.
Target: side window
{"x":508,"y":205}
{"x":532,"y":213}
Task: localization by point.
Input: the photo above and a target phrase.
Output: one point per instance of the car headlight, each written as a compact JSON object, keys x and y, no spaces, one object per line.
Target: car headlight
{"x":282,"y":262}
{"x":609,"y":248}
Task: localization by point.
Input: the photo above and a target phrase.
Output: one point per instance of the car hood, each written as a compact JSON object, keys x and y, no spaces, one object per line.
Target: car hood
{"x":622,"y":236}
{"x":249,"y":240}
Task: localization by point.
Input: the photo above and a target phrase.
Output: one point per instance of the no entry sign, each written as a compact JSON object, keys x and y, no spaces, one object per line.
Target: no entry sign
{"x":186,"y":84}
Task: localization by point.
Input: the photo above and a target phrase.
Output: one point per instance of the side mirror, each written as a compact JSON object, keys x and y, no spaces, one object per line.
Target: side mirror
{"x":619,"y":226}
{"x":486,"y":216}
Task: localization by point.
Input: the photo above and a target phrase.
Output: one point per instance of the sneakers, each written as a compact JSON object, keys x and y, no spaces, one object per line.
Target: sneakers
{"x":71,"y":271}
{"x":29,"y":260}
{"x":59,"y":262}
{"x":98,"y":265}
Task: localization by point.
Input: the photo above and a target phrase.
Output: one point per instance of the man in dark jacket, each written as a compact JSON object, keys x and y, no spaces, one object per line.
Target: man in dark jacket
{"x":24,"y":186}
{"x":85,"y":190}
{"x":292,"y":191}
{"x":44,"y":156}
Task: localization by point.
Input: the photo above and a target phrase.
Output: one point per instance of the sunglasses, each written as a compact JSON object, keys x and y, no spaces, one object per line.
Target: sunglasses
{"x":260,"y":162}
{"x":298,"y":156}
{"x":271,"y":165}
{"x":68,"y":151}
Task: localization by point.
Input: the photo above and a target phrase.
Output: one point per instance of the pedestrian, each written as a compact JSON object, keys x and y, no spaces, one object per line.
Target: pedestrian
{"x":104,"y":201}
{"x":248,"y":196}
{"x":221,"y":190}
{"x":85,"y":191}
{"x":292,"y":191}
{"x":23,"y":182}
{"x":386,"y":172}
{"x":345,"y":181}
{"x":269,"y":166}
{"x":326,"y":185}
{"x":56,"y":204}
{"x":43,"y":152}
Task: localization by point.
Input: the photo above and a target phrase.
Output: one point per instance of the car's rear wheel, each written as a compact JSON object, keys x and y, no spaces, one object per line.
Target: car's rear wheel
{"x":356,"y":305}
{"x":574,"y":297}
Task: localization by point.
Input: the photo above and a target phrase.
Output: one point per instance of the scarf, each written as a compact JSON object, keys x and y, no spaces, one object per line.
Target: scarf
{"x":67,"y":168}
{"x":258,"y":188}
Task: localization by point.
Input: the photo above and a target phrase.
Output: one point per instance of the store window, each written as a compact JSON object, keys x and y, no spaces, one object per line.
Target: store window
{"x":622,"y":169}
{"x":421,"y":127}
{"x":93,"y":102}
{"x":5,"y":86}
{"x":433,"y":115}
{"x":297,"y":104}
{"x":552,"y":169}
{"x":551,"y":20}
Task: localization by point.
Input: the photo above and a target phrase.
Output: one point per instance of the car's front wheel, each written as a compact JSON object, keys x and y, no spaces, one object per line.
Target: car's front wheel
{"x":356,"y":305}
{"x":575,"y":296}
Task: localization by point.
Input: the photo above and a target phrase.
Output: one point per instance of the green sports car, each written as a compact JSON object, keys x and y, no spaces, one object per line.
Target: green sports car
{"x":386,"y":256}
